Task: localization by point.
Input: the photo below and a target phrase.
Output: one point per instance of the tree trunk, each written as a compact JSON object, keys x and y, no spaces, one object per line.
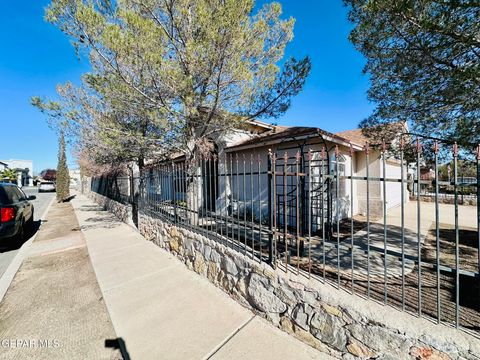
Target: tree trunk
{"x":136,"y":187}
{"x":193,"y":187}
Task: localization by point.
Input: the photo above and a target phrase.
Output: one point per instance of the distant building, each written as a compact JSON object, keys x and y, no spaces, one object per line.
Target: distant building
{"x":427,"y":174}
{"x":48,"y":175}
{"x":24,"y":169}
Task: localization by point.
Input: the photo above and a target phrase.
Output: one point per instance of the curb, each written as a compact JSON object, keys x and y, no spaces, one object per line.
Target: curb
{"x":11,"y":271}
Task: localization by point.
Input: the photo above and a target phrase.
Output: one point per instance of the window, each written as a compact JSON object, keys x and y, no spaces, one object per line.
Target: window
{"x":12,"y":194}
{"x":21,"y":194}
{"x":341,"y":172}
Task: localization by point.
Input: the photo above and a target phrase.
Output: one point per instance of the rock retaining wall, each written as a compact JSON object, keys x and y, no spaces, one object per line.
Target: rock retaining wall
{"x":467,"y":200}
{"x":121,"y":211}
{"x":331,"y":320}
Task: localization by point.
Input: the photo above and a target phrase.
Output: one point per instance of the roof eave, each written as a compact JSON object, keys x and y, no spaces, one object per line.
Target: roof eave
{"x":266,"y":143}
{"x":315,"y":133}
{"x":342,"y":141}
{"x":261,"y":124}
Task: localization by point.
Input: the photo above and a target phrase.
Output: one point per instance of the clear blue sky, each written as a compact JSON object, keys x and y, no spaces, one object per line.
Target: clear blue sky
{"x":35,"y":57}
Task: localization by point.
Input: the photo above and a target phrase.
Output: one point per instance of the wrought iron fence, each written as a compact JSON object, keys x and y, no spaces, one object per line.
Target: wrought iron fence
{"x":352,"y":218}
{"x":117,"y":188}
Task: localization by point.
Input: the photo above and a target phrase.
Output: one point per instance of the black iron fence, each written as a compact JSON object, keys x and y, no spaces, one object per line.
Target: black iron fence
{"x":352,"y":217}
{"x":118,"y":188}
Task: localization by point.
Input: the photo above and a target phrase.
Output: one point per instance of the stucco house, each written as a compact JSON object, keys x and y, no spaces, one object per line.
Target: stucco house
{"x":23,"y":168}
{"x":240,"y":180}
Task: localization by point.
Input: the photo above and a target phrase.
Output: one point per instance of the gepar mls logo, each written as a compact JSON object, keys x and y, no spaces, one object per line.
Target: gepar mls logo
{"x":29,"y":343}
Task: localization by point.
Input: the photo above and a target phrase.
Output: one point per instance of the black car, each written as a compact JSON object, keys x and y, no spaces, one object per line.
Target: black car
{"x":16,"y":212}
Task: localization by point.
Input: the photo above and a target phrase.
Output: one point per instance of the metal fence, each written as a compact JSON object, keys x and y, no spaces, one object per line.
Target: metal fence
{"x":321,"y":214}
{"x":117,"y":188}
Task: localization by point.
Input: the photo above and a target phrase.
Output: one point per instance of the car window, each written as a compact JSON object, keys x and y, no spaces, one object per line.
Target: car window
{"x":3,"y":196}
{"x":21,"y":195}
{"x":12,"y":194}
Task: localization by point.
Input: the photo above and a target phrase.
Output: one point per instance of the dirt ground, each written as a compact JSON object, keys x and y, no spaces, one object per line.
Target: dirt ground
{"x":469,"y":287}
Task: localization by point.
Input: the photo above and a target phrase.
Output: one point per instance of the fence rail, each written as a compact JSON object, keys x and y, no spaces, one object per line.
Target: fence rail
{"x":357,"y":219}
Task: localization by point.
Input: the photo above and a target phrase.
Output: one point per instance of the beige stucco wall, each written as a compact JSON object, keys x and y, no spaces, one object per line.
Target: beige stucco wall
{"x":231,"y":191}
{"x":249,"y":190}
{"x":374,"y":187}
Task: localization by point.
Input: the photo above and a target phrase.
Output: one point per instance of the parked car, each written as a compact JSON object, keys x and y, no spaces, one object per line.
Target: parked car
{"x":47,"y":186}
{"x":16,"y":212}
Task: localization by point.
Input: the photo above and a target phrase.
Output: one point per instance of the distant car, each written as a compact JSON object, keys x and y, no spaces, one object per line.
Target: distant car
{"x":16,"y":212}
{"x":46,"y":186}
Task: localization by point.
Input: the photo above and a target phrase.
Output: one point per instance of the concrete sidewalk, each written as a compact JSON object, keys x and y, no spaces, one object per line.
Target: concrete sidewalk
{"x":163,"y":310}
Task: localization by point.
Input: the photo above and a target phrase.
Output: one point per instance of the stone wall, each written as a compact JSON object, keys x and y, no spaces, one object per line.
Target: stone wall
{"x":121,"y":211}
{"x":331,"y":320}
{"x":470,"y":200}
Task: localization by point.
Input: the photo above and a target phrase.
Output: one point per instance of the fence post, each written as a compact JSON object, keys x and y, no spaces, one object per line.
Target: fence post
{"x":270,"y":212}
{"x":457,"y":236}
{"x":173,"y":194}
{"x":419,"y":219}
{"x":478,"y":204}
{"x":132,"y":190}
{"x":135,"y":195}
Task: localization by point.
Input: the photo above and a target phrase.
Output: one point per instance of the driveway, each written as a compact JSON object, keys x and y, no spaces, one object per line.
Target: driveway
{"x":375,"y":263}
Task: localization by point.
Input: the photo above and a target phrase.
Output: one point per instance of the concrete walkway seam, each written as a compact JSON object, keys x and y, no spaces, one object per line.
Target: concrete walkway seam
{"x":227,"y":339}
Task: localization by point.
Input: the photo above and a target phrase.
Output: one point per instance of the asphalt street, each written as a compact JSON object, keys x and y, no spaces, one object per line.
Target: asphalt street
{"x":8,"y":250}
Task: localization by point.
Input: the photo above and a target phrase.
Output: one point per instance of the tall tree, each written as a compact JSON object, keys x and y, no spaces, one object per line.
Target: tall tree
{"x":171,"y":74}
{"x":63,"y":176}
{"x":423,"y":59}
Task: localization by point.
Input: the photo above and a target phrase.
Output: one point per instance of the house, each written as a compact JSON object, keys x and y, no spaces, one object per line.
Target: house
{"x":393,"y":171}
{"x":288,"y":171}
{"x":48,"y":175}
{"x":351,"y":160}
{"x":427,"y":174}
{"x":24,"y":169}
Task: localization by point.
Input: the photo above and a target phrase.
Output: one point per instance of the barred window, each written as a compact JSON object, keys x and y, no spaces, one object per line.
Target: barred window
{"x":341,"y":172}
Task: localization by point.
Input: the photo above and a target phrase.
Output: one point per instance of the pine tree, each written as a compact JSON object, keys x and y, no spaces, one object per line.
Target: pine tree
{"x":423,"y":64}
{"x":63,"y":176}
{"x":171,"y":75}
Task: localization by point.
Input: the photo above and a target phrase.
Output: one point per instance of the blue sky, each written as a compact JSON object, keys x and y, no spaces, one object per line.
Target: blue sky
{"x":35,"y":57}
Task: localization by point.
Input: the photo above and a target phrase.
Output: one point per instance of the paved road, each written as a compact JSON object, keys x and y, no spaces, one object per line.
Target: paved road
{"x":8,"y":251}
